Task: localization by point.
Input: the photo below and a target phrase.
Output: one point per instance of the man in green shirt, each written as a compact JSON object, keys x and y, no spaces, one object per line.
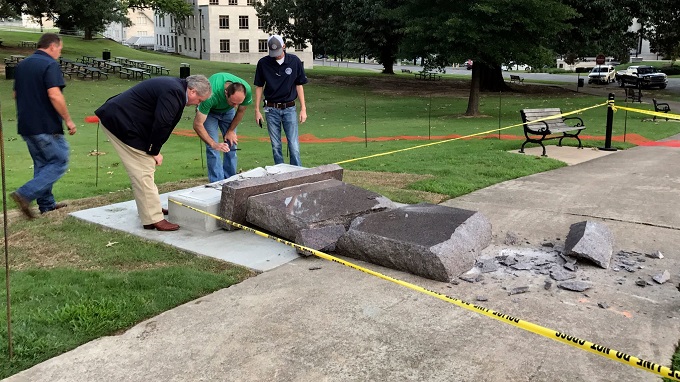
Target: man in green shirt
{"x":222,"y":112}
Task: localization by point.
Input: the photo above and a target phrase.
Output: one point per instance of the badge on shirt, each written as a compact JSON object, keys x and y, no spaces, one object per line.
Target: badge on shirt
{"x":289,"y":71}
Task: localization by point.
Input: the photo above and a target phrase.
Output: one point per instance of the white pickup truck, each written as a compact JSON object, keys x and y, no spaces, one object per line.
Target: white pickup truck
{"x":643,"y":76}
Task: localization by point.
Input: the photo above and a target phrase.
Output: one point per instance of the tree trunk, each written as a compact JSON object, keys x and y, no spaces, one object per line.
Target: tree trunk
{"x":473,"y":99}
{"x":492,"y":79}
{"x":87,"y":35}
{"x":388,"y":63}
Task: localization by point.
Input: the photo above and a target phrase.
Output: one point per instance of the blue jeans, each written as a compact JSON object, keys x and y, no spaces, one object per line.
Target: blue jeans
{"x":50,"y":162}
{"x":288,"y":118}
{"x":219,"y":169}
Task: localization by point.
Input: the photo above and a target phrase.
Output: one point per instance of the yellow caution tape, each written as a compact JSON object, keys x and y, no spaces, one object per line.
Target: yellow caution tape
{"x":592,"y":347}
{"x":471,"y":135}
{"x":648,"y":112}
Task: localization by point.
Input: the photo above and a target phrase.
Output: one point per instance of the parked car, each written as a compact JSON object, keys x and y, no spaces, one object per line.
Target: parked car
{"x":644,"y":76}
{"x":467,"y":64}
{"x":512,"y":66}
{"x":602,"y":74}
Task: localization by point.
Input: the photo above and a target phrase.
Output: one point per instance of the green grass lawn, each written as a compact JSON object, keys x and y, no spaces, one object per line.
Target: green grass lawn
{"x":69,"y":287}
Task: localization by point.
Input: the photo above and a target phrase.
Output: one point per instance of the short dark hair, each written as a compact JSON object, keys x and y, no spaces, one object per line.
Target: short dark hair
{"x":235,"y":87}
{"x":48,"y":39}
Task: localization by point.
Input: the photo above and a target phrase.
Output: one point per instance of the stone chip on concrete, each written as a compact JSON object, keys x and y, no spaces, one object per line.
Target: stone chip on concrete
{"x":431,"y":241}
{"x":576,"y":286}
{"x":590,"y":240}
{"x":662,"y":277}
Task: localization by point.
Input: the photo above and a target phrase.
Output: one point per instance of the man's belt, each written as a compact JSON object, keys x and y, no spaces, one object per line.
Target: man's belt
{"x":280,"y":105}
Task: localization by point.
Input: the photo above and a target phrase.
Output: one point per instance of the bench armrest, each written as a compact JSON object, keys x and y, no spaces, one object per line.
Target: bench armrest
{"x":578,"y":124}
{"x":533,"y":129}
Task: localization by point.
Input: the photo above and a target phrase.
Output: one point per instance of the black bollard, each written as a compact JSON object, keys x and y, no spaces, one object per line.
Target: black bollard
{"x":610,"y":122}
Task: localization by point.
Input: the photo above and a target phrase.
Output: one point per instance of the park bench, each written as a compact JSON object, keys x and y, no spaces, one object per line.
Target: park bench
{"x":406,"y":70}
{"x":428,"y":76}
{"x":633,"y":94}
{"x":537,"y":131}
{"x":660,"y":107}
{"x":517,"y":79}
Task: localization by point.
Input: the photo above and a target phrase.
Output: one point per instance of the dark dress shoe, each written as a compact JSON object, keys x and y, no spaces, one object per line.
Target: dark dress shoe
{"x":56,"y":207}
{"x":24,"y":205}
{"x":165,"y":211}
{"x":162,"y":225}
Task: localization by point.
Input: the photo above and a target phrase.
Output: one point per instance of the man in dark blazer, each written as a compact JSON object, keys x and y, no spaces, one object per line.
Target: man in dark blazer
{"x":138,"y":122}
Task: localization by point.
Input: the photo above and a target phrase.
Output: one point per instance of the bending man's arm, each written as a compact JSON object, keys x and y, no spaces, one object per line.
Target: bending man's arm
{"x":59,"y":102}
{"x":230,"y":135}
{"x":199,"y":119}
{"x":303,"y":106}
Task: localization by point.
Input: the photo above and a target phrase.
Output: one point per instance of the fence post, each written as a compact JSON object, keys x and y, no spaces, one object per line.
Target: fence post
{"x":610,"y":122}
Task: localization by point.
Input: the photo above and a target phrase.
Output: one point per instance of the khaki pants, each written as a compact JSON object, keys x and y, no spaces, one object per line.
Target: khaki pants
{"x":141,"y":168}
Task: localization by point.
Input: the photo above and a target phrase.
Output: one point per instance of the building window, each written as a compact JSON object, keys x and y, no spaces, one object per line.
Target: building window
{"x":141,"y":20}
{"x":299,"y":48}
{"x":224,"y":46}
{"x":233,"y":2}
{"x":189,"y":46}
{"x":262,"y":45}
{"x":243,"y":22}
{"x":195,"y":46}
{"x":203,"y":45}
{"x":224,"y":22}
{"x":203,"y":22}
{"x":250,"y":3}
{"x":214,"y":2}
{"x":259,"y":23}
{"x":185,"y":41}
{"x":244,"y":46}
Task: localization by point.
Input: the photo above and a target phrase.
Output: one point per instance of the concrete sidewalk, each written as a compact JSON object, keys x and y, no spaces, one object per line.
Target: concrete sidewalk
{"x":313,"y":320}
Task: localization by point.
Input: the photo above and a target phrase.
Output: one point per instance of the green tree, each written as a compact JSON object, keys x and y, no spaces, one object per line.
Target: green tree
{"x":350,"y":27}
{"x":660,"y":22}
{"x":490,"y":32}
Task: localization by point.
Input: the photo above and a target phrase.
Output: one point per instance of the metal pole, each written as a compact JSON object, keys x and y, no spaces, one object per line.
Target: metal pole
{"x":578,"y":81}
{"x":429,"y":118}
{"x":96,"y":172}
{"x":200,"y":149}
{"x":10,"y":349}
{"x":500,"y":105}
{"x":610,"y":122}
{"x":365,"y":121}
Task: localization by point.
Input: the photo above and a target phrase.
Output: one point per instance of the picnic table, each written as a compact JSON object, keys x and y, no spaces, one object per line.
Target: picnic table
{"x":137,"y":63}
{"x":133,"y":72}
{"x":99,"y":62}
{"x":28,"y":44}
{"x":120,"y":60}
{"x":157,"y":69}
{"x":86,"y":59}
{"x":16,"y":57}
{"x":113,"y":66}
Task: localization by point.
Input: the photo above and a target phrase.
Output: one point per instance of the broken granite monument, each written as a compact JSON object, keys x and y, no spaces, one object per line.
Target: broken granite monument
{"x":331,"y":202}
{"x":431,"y":241}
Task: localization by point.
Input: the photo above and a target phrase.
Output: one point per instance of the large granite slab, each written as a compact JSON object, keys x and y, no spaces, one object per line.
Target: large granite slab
{"x":312,"y":205}
{"x":428,"y":240}
{"x":236,"y":193}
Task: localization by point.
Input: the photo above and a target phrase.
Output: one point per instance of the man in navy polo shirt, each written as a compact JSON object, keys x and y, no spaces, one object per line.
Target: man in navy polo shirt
{"x":280,"y":77}
{"x":41,"y":107}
